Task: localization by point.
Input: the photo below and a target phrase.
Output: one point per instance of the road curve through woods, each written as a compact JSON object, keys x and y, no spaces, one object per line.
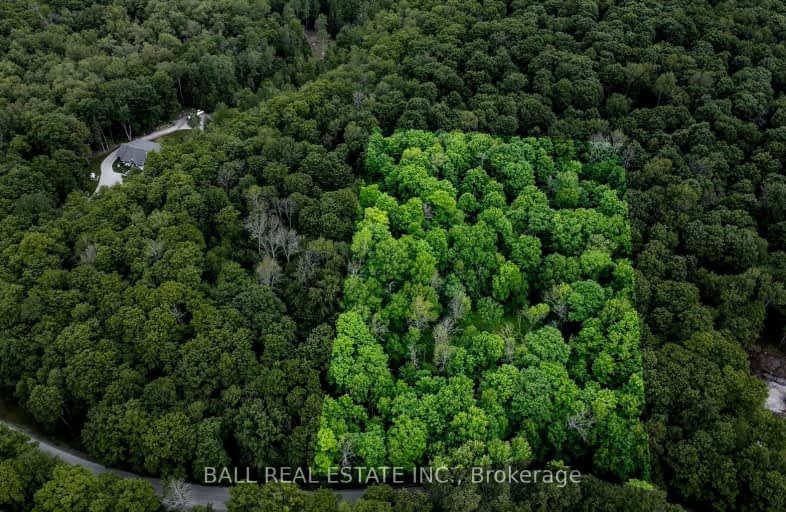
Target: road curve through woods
{"x":109,"y":177}
{"x":200,"y":494}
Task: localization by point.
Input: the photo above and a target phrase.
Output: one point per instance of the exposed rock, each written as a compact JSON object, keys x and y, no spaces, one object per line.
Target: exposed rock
{"x":770,"y":365}
{"x":776,"y":400}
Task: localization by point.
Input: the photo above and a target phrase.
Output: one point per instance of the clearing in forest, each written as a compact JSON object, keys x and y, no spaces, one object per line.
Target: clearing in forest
{"x":488,"y":315}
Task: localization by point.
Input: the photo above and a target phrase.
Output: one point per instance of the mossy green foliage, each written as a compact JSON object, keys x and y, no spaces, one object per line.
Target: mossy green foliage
{"x":488,"y":313}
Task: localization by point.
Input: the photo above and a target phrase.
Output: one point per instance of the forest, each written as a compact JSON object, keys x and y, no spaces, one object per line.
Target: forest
{"x":192,"y":316}
{"x":32,"y":480}
{"x":486,"y":321}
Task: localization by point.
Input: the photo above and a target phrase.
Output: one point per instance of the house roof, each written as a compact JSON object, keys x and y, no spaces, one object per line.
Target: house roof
{"x":135,"y":152}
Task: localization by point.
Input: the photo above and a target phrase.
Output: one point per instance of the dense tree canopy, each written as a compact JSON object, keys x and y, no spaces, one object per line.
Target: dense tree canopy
{"x":204,"y":292}
{"x":185,"y":319}
{"x":445,"y":343}
{"x":32,"y":480}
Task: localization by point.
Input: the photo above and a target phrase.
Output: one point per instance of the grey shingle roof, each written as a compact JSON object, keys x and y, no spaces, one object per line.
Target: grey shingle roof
{"x":135,"y":152}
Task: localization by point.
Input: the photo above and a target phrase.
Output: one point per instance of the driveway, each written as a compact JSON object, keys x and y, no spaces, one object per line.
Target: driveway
{"x":109,"y":177}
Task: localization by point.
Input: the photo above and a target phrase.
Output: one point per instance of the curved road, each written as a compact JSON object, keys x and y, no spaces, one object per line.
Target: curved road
{"x":108,"y":175}
{"x":200,"y":494}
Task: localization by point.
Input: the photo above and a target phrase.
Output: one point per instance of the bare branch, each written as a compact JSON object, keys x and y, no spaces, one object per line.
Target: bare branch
{"x":90,"y":253}
{"x":582,"y":422}
{"x":177,"y":495}
{"x":347,"y":452}
{"x":291,"y":244}
{"x":442,"y":333}
{"x":306,"y":265}
{"x":269,"y":272}
{"x":155,"y":250}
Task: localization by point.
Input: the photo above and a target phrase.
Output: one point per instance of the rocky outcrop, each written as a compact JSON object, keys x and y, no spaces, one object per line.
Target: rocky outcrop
{"x":770,"y":365}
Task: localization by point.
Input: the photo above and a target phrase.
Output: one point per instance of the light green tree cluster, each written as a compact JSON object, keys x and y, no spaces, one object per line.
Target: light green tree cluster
{"x":489,"y":317}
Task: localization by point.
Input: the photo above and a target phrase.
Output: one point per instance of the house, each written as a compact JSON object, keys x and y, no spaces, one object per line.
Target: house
{"x":135,"y":152}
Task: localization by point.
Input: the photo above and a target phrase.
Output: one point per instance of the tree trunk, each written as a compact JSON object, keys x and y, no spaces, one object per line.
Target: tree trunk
{"x":180,"y":89}
{"x":127,"y":130}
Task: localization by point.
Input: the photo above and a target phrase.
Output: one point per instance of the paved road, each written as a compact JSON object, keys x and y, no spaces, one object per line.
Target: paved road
{"x":200,"y":494}
{"x":108,"y":175}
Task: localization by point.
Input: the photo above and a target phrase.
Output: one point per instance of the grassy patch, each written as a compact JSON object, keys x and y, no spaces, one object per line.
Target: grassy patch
{"x":94,"y":167}
{"x":175,"y":137}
